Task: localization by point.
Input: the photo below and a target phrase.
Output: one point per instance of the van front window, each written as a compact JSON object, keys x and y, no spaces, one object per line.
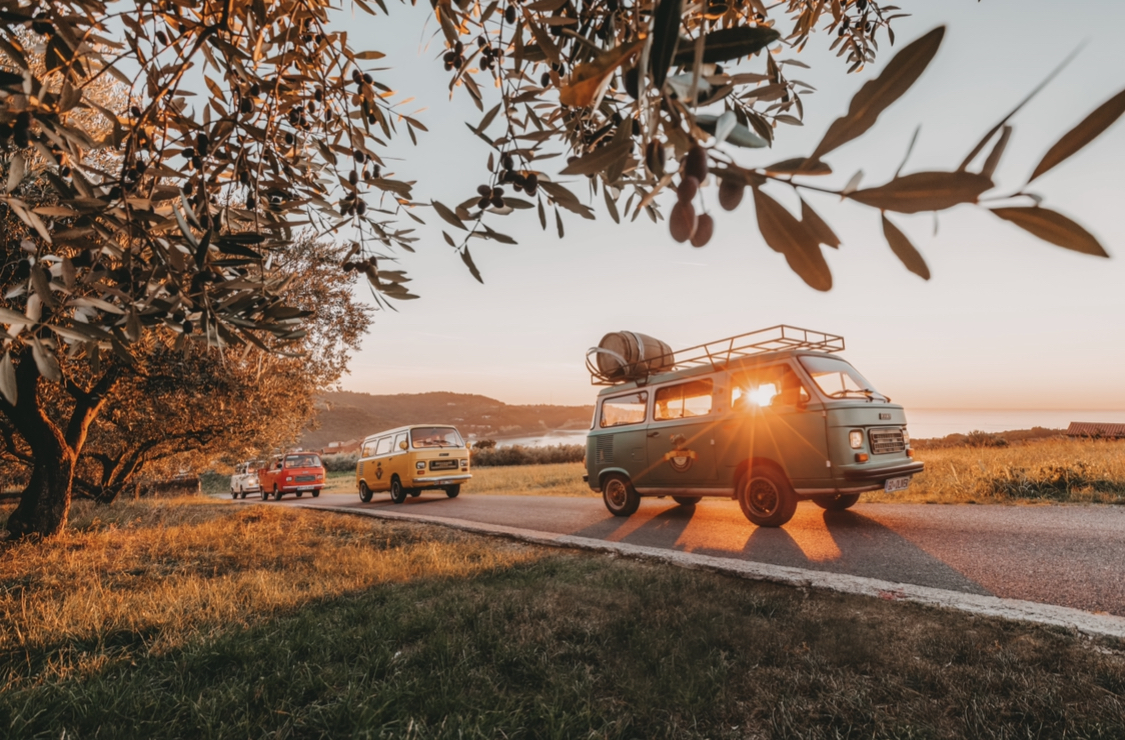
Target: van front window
{"x":838,"y":379}
{"x":435,"y":437}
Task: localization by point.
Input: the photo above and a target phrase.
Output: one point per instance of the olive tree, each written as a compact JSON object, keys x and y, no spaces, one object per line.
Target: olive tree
{"x":171,"y":220}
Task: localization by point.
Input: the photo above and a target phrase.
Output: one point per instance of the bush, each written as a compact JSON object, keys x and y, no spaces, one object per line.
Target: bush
{"x":340,"y":463}
{"x":1051,"y":482}
{"x":520,"y":455}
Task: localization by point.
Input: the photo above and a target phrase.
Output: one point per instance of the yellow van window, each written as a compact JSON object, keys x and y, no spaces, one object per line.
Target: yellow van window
{"x":629,"y":409}
{"x":399,"y":440}
{"x":684,"y":400}
{"x":369,"y":448}
{"x":384,"y":446}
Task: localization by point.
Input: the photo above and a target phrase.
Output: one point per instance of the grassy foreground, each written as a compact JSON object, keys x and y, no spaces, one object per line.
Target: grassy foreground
{"x":189,"y":619}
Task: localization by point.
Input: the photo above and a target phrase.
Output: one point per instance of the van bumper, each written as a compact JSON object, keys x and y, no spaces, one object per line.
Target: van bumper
{"x":872,"y":475}
{"x":436,"y":482}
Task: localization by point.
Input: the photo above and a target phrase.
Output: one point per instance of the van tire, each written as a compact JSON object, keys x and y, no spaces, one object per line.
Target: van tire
{"x":398,"y":493}
{"x":686,"y":500}
{"x":415,"y":492}
{"x":300,"y":493}
{"x":233,"y":493}
{"x":316,"y":493}
{"x":277,"y":494}
{"x":265,"y":494}
{"x":766,"y":497}
{"x":619,"y":495}
{"x":364,"y":492}
{"x":452,"y":491}
{"x":838,"y":502}
{"x":243,"y":494}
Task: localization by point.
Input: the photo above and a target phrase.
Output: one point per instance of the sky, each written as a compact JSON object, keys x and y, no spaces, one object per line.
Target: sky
{"x":1006,"y":322}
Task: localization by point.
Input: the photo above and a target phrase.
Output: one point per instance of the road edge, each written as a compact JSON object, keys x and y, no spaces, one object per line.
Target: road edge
{"x":1101,"y":625}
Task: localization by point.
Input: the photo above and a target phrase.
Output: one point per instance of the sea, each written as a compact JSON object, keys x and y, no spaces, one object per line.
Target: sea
{"x":922,"y":423}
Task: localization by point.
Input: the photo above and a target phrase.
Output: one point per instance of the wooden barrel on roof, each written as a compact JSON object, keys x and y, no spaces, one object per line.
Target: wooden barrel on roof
{"x":628,"y":355}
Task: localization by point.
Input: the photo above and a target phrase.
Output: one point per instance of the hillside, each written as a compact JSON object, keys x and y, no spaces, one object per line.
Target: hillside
{"x":344,"y":416}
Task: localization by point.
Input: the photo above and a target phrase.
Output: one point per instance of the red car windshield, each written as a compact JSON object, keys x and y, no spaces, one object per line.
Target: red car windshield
{"x":302,"y":461}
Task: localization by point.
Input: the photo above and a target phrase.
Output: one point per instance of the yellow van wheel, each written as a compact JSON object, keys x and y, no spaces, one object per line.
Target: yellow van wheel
{"x":766,"y":497}
{"x":398,"y":493}
{"x":452,"y":491}
{"x":364,"y":492}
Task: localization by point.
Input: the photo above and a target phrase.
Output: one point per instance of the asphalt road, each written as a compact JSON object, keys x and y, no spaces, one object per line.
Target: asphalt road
{"x":1070,"y":556}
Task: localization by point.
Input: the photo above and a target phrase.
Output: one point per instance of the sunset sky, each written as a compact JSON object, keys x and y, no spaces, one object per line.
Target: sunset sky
{"x":1006,"y":321}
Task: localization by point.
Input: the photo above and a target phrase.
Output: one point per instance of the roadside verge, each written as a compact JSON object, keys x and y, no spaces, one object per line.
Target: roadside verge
{"x":990,"y":606}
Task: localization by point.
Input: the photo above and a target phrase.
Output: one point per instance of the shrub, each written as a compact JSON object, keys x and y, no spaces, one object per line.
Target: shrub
{"x":520,"y":455}
{"x":340,"y":463}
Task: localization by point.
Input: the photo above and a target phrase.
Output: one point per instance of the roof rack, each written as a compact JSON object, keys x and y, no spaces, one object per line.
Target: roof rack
{"x":719,"y":353}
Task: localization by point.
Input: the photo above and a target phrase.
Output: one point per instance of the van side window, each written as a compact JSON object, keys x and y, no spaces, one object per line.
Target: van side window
{"x":627,"y":409}
{"x":684,"y":400}
{"x":384,"y":446}
{"x":400,"y":440}
{"x":368,"y":449}
{"x":771,"y":387}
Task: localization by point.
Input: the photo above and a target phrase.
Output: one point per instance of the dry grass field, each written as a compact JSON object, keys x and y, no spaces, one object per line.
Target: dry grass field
{"x":178,"y":619}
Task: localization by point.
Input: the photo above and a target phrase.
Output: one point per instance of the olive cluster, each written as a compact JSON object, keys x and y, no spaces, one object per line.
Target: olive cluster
{"x":455,"y":57}
{"x":489,"y":55}
{"x":520,"y":180}
{"x":683,"y":223}
{"x":363,"y":265}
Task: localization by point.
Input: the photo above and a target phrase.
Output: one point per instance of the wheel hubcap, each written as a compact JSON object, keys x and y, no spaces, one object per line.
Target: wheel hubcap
{"x":762,"y":497}
{"x":615,"y":492}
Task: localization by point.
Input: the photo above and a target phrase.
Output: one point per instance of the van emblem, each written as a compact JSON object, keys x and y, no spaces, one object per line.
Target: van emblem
{"x":378,"y":470}
{"x":680,"y":459}
{"x":885,"y":417}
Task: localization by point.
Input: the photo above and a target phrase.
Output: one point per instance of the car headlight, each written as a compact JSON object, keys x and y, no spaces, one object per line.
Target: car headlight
{"x":420,"y":465}
{"x":464,"y":464}
{"x":855,"y":439}
{"x":905,"y":436}
{"x":288,"y":478}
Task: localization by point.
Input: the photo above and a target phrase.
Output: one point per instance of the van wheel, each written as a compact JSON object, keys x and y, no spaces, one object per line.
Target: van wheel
{"x":316,"y":493}
{"x":265,"y":495}
{"x":243,"y":494}
{"x":415,"y":492}
{"x":277,"y":494}
{"x":686,"y":500}
{"x":452,"y":491}
{"x":364,"y":492}
{"x":398,"y":493}
{"x":233,"y":493}
{"x":766,"y":497}
{"x":839,"y":502}
{"x":619,"y":495}
{"x":300,"y":493}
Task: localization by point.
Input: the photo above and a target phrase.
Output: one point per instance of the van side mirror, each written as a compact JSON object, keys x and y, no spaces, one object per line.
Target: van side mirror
{"x":403,"y":445}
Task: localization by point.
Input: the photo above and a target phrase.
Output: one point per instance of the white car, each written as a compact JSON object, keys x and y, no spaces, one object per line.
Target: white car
{"x":245,"y":479}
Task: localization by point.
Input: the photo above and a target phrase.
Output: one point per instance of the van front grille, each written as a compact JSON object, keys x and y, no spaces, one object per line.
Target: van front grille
{"x":605,"y":449}
{"x":443,"y":464}
{"x":884,"y":441}
{"x":305,"y":478}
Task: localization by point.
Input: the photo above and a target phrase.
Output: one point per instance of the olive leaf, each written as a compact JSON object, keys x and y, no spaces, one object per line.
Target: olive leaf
{"x":924,"y":191}
{"x":468,"y":260}
{"x":785,"y":234}
{"x":874,"y":97}
{"x":665,"y":37}
{"x":447,"y":215}
{"x":1053,"y":227}
{"x":729,"y":43}
{"x":8,"y":379}
{"x":818,"y":227}
{"x":1089,"y":129}
{"x":904,"y":250}
{"x":598,"y":160}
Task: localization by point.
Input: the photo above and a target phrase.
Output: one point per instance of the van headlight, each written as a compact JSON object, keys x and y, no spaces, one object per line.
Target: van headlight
{"x":855,"y":439}
{"x":420,"y":465}
{"x":464,"y":463}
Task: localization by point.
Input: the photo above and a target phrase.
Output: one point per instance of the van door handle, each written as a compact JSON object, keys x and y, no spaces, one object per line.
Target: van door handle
{"x":654,"y":434}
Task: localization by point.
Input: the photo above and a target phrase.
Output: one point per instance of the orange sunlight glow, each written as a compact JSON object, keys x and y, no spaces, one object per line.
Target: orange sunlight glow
{"x":760,"y":396}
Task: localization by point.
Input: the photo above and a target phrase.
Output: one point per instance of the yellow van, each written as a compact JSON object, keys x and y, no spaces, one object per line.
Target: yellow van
{"x":409,"y":460}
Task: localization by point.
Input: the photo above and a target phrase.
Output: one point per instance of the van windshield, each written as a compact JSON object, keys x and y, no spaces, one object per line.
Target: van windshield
{"x":435,"y":437}
{"x":838,"y":379}
{"x":302,"y":461}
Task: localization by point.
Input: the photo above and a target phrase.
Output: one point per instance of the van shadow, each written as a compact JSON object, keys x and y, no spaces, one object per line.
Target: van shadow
{"x":849,"y":542}
{"x":843,"y":542}
{"x":660,"y":529}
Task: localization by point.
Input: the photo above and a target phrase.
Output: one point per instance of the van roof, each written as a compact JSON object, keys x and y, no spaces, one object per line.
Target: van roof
{"x":734,"y":365}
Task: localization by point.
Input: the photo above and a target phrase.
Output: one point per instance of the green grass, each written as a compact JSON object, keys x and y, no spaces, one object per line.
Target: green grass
{"x":369,"y":628}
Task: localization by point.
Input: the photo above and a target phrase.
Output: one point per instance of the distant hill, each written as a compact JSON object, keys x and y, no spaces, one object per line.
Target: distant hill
{"x":343,"y":416}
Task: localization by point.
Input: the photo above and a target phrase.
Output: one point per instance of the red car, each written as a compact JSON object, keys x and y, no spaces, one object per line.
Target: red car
{"x":295,"y":472}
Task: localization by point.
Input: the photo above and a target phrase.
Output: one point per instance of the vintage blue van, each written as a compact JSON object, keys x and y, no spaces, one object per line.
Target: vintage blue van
{"x":768,"y":418}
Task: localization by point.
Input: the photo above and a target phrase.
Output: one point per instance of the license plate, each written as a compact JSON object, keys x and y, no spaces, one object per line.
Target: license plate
{"x":896,"y":484}
{"x":313,"y":488}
